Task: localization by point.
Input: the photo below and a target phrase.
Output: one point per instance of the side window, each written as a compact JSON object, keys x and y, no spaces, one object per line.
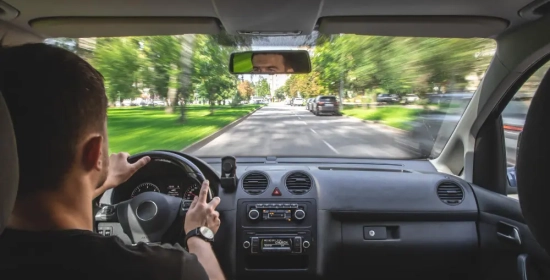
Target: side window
{"x":513,"y":118}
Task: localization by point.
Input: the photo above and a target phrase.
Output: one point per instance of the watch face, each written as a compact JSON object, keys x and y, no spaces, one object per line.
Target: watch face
{"x":206,"y":232}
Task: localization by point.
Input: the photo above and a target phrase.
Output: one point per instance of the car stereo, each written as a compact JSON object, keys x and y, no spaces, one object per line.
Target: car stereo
{"x":285,"y":211}
{"x":276,"y":235}
{"x":258,"y":243}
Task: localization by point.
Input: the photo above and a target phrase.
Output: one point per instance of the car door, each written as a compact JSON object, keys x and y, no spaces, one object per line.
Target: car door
{"x":508,"y":250}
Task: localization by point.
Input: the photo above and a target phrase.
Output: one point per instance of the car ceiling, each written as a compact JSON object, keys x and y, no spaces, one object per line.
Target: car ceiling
{"x":266,"y":16}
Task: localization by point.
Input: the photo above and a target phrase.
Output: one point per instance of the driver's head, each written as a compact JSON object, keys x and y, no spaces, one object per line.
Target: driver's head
{"x":58,"y":108}
{"x":271,"y":63}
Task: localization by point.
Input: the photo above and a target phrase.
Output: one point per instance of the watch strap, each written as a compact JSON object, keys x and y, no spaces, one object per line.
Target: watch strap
{"x":197,"y":232}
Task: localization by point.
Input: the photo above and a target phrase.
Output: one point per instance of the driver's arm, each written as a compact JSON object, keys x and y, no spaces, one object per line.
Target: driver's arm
{"x":120,"y":170}
{"x":205,"y":254}
{"x":201,"y":214}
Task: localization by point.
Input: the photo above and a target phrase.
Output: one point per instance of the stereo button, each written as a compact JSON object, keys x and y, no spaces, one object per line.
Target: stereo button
{"x":299,"y":214}
{"x":253,"y":214}
{"x":255,"y":246}
{"x":246,"y":244}
{"x":297,"y":244}
{"x":306,"y":244}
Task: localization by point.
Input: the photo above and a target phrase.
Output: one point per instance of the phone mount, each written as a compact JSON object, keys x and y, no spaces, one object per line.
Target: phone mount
{"x":229,"y":177}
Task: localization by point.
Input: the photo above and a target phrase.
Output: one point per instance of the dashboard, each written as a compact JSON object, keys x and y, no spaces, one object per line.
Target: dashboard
{"x":312,"y":218}
{"x":159,"y":176}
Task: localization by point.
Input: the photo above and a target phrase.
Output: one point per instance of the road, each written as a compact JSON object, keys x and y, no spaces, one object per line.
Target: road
{"x":282,"y":130}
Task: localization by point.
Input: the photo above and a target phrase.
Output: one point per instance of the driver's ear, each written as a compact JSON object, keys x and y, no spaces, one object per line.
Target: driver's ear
{"x":92,"y":153}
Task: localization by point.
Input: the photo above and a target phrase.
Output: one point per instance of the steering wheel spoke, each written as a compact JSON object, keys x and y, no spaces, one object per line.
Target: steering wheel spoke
{"x":107,"y":214}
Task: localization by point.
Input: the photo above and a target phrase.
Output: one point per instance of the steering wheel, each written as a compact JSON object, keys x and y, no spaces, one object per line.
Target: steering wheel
{"x":152,"y":216}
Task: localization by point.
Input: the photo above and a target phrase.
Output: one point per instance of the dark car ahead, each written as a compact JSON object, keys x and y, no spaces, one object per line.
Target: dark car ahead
{"x":388,"y":98}
{"x":325,"y":105}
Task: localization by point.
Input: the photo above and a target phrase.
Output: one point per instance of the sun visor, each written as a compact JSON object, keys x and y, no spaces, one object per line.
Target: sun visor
{"x":83,"y":27}
{"x":415,"y":26}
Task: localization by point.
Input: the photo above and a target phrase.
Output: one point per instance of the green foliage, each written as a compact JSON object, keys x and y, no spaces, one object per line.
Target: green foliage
{"x":162,"y":53}
{"x":119,"y":60}
{"x":135,"y":130}
{"x":374,"y":64}
{"x":396,"y":116}
{"x":211,"y":78}
{"x":262,"y":87}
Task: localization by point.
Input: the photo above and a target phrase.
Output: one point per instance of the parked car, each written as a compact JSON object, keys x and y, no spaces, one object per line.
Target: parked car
{"x":326,"y":105}
{"x":309,"y":104}
{"x":288,"y":102}
{"x":445,"y":98}
{"x":298,"y":101}
{"x":411,"y":98}
{"x":388,"y":98}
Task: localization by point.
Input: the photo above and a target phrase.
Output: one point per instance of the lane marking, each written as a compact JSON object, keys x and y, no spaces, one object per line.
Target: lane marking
{"x":314,"y":131}
{"x":304,"y":122}
{"x":330,"y":147}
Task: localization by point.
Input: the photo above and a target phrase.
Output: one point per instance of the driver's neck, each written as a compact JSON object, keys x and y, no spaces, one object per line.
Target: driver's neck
{"x":68,"y":207}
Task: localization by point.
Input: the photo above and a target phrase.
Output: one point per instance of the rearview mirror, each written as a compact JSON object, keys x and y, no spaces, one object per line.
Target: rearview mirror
{"x":270,"y":62}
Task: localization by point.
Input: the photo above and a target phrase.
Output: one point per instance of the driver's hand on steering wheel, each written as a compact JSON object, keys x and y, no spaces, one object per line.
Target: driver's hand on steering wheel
{"x":120,"y":170}
{"x":201,"y":213}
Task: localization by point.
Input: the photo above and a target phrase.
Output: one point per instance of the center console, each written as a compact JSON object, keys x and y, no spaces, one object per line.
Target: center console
{"x":275,"y":235}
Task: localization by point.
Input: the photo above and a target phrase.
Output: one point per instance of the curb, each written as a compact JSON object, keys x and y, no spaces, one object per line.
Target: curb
{"x":398,"y":130}
{"x":202,"y":142}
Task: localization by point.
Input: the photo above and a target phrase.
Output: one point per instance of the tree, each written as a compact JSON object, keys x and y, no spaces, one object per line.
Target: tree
{"x":163,"y":64}
{"x":246,"y":90}
{"x":280,"y":93}
{"x":119,"y":62}
{"x":211,"y":77}
{"x":262,"y":87}
{"x":303,"y":85}
{"x":185,"y":88}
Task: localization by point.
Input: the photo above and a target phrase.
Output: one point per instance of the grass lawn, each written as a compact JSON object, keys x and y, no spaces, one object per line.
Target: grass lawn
{"x":139,"y":129}
{"x":395,"y":116}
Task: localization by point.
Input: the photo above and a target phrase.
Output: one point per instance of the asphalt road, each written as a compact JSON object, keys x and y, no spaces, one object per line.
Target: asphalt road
{"x":282,"y":130}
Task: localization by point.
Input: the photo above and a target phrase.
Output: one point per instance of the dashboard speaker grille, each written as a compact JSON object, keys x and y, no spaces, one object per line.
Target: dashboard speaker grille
{"x":450,"y":193}
{"x":298,"y":183}
{"x":255,"y":183}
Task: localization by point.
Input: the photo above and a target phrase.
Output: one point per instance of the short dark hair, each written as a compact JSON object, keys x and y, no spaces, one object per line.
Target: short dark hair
{"x":54,"y":98}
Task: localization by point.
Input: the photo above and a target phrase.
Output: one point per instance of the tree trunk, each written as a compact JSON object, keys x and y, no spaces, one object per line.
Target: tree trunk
{"x":341,"y":93}
{"x":212,"y":103}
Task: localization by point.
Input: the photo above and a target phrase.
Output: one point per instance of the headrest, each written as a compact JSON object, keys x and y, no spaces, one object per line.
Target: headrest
{"x":532,"y":164}
{"x":9,"y":165}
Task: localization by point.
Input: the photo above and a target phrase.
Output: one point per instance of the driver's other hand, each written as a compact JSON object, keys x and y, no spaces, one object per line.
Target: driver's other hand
{"x":120,"y":170}
{"x":201,"y":213}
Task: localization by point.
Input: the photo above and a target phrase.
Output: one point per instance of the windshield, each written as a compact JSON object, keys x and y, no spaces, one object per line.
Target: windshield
{"x":371,"y":96}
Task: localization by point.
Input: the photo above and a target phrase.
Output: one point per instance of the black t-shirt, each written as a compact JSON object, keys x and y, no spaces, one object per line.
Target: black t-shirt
{"x":81,"y":254}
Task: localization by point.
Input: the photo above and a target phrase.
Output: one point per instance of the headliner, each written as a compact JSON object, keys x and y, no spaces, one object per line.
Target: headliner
{"x":268,"y":16}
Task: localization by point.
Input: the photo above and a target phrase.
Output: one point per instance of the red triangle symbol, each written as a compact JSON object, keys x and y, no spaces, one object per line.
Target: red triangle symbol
{"x":276,"y":192}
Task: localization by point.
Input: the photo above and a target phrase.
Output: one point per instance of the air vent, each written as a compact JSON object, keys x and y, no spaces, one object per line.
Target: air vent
{"x":450,"y":193}
{"x":255,"y":183}
{"x":298,"y":183}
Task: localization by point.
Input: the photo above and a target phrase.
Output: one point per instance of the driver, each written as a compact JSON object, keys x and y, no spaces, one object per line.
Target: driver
{"x":271,"y":63}
{"x":58,"y":108}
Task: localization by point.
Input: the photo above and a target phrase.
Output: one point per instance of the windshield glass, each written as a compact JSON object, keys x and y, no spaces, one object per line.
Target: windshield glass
{"x":379,"y":97}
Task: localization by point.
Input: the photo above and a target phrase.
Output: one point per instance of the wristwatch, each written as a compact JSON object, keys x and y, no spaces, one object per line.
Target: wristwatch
{"x":203,"y":232}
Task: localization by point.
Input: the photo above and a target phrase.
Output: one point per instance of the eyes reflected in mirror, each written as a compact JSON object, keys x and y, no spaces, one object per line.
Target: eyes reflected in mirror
{"x":270,"y":62}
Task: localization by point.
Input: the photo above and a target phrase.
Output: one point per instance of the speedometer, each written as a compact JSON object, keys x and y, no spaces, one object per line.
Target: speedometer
{"x":145,"y":187}
{"x":191,"y":192}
